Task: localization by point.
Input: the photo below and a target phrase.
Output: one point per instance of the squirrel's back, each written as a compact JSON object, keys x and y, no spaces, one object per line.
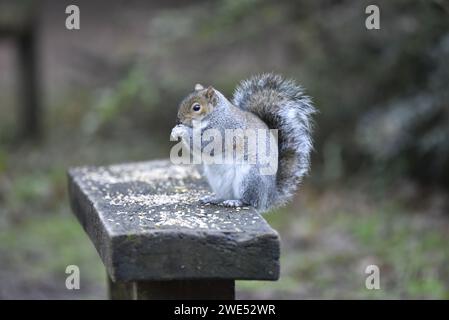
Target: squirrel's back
{"x":282,"y":105}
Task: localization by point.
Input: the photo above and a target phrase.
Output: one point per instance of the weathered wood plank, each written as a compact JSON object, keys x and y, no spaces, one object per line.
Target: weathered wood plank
{"x":147,"y":224}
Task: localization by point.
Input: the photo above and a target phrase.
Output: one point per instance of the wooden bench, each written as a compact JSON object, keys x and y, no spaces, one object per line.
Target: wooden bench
{"x":158,"y":242}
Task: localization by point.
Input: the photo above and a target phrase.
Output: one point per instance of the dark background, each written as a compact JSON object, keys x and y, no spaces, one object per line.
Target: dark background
{"x":108,"y":93}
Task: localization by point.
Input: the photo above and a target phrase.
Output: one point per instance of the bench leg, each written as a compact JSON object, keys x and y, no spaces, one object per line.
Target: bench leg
{"x":172,"y":289}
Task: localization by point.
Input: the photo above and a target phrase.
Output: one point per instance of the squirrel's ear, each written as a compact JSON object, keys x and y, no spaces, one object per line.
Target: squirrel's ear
{"x":210,"y":92}
{"x":198,"y":87}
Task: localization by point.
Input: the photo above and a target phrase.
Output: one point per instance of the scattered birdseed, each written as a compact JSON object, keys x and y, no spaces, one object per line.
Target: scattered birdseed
{"x":159,"y":196}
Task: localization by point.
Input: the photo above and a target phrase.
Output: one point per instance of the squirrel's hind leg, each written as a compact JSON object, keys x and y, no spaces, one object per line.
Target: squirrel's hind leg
{"x":233,"y":203}
{"x":218,"y":201}
{"x":210,"y":200}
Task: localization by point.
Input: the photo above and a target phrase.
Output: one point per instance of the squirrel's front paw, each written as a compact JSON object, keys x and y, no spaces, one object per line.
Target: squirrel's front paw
{"x":180,"y":131}
{"x":210,"y":200}
{"x":232,"y":203}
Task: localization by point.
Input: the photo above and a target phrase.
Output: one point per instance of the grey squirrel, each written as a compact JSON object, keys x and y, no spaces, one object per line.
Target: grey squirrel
{"x":266,"y":101}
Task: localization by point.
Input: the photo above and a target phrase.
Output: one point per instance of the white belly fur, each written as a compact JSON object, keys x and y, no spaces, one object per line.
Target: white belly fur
{"x":226,"y":179}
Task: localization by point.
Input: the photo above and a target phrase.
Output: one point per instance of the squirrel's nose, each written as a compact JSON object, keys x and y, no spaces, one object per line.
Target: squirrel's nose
{"x":178,"y":121}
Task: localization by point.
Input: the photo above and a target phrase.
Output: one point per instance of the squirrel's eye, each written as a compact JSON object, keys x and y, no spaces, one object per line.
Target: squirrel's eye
{"x":196,"y":107}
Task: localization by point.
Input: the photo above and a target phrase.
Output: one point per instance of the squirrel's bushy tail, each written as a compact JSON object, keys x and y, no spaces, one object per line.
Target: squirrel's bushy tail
{"x":282,"y":105}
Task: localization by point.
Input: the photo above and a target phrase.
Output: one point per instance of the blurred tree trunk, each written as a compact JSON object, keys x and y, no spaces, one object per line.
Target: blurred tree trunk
{"x":30,"y":109}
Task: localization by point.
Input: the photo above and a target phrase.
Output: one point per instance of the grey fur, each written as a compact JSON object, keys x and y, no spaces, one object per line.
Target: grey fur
{"x":282,"y":105}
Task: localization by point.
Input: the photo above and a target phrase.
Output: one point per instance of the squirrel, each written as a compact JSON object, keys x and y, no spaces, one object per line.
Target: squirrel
{"x":263,"y":102}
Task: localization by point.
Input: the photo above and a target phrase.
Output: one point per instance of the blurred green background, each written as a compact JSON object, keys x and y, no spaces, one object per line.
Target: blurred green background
{"x":378,"y":190}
